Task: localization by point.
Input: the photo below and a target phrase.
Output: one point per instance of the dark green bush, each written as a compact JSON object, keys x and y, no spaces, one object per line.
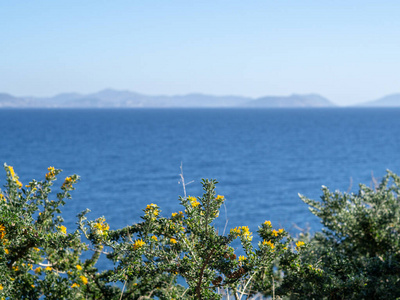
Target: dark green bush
{"x":358,"y":251}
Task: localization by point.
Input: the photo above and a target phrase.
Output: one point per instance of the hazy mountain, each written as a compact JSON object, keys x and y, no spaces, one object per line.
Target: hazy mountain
{"x":387,"y":101}
{"x":291,"y":101}
{"x":7,"y":100}
{"x":118,"y":99}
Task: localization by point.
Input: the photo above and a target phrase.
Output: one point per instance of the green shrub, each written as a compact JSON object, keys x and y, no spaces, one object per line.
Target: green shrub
{"x":356,"y":256}
{"x":40,"y":257}
{"x":358,"y":251}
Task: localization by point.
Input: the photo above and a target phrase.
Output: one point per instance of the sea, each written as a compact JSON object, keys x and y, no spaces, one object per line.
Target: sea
{"x":262,"y":158}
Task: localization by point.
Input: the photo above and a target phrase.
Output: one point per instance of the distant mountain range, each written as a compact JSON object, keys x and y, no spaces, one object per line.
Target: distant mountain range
{"x":387,"y":101}
{"x":119,"y":99}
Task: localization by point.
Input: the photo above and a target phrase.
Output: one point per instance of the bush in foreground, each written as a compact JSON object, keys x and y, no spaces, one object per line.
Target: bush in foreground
{"x":355,"y":257}
{"x":39,"y":256}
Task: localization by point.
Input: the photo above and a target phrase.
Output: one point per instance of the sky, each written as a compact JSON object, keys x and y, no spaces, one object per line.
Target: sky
{"x":346,"y":51}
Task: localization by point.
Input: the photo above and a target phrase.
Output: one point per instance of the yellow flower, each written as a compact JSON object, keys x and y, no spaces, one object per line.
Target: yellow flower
{"x":2,"y":197}
{"x":220,"y":197}
{"x":84,"y":279}
{"x":269,"y":243}
{"x":138,"y":244}
{"x":68,"y":183}
{"x":51,"y":173}
{"x":150,"y":206}
{"x":79,"y":267}
{"x":75,"y":285}
{"x":15,"y":268}
{"x":299,"y":244}
{"x":193,"y":201}
{"x":19,"y":183}
{"x":101,"y":227}
{"x":154,"y":238}
{"x":245,"y":232}
{"x":235,"y":231}
{"x":38,"y":270}
{"x":2,"y":231}
{"x":48,"y":269}
{"x":63,"y":229}
{"x":274,"y":232}
{"x":242,"y":258}
{"x":11,"y":170}
{"x":14,"y":177}
{"x":281,"y":230}
{"x":1,"y":287}
{"x":268,"y":223}
{"x":36,"y":249}
{"x":174,"y":214}
{"x":6,"y":251}
{"x":152,"y":209}
{"x":173,"y":241}
{"x":32,"y":285}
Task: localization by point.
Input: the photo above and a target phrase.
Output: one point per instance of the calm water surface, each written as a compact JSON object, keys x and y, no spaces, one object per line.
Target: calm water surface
{"x":261,"y":158}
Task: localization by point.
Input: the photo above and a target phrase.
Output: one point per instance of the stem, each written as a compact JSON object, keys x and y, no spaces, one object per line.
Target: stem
{"x":198,"y":288}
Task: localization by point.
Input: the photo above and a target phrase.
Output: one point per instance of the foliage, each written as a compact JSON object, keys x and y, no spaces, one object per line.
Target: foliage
{"x":358,"y":252}
{"x":40,"y":257}
{"x":183,"y":256}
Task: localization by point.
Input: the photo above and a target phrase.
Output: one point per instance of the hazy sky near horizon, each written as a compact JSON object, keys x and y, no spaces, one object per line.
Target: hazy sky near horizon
{"x":347,"y":51}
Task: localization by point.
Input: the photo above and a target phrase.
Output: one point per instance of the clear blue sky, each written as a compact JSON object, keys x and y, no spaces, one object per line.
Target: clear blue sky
{"x":348,"y":51}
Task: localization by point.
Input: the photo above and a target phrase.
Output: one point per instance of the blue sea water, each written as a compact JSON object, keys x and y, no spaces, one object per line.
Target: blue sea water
{"x":262,"y":158}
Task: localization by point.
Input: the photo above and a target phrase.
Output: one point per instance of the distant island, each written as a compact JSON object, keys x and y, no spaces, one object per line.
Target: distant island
{"x":120,"y":99}
{"x":110,"y":98}
{"x":387,"y":101}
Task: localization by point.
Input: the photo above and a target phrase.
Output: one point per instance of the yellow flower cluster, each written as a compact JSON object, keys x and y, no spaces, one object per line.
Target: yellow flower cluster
{"x":152,"y":211}
{"x":177,"y":215}
{"x":101,"y":227}
{"x":277,"y":232}
{"x":193,"y":201}
{"x":2,"y":198}
{"x":299,"y":244}
{"x":2,"y":231}
{"x":138,"y":244}
{"x":220,"y":198}
{"x":83,"y":279}
{"x":14,"y":177}
{"x":172,"y":241}
{"x":68,"y":183}
{"x":242,"y":231}
{"x":152,"y":206}
{"x":269,"y":243}
{"x":235,"y":231}
{"x":78,"y":267}
{"x":51,"y":174}
{"x":63,"y":229}
{"x":242,"y":258}
{"x":154,"y":238}
{"x":75,"y":285}
{"x":268,"y":223}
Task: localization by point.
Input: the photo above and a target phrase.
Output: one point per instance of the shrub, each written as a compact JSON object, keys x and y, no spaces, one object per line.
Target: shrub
{"x":358,"y":251}
{"x":40,"y":257}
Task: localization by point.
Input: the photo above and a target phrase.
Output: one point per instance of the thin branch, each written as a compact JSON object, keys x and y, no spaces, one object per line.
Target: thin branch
{"x":122,"y":292}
